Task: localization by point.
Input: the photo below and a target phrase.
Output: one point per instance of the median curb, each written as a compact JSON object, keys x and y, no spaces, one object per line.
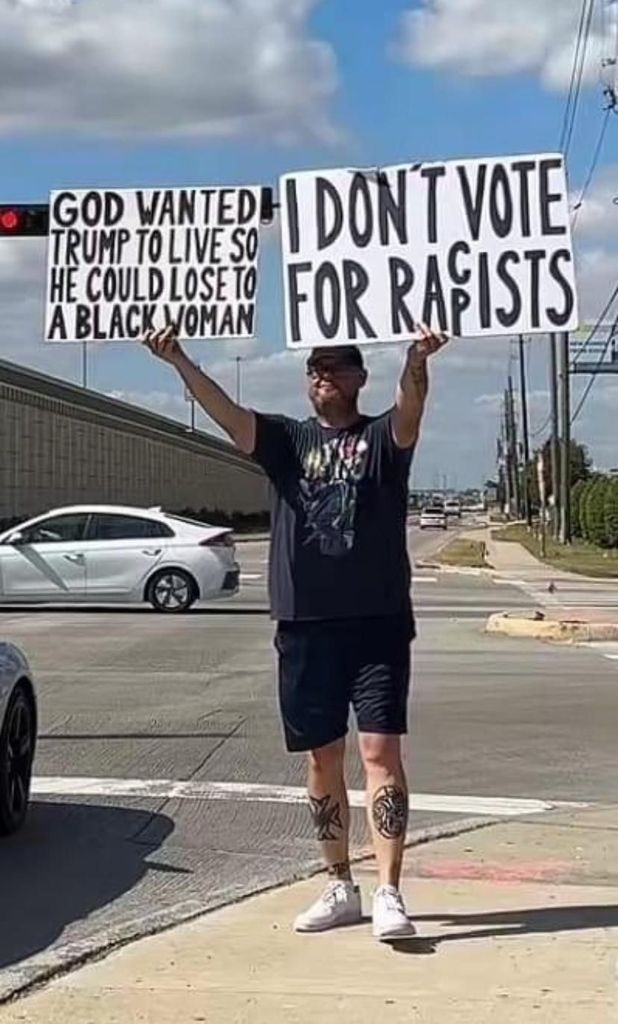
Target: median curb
{"x":537,"y":627}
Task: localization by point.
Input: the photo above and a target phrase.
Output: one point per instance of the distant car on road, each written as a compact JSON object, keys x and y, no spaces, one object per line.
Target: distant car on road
{"x":433,"y":517}
{"x":116,"y":554}
{"x":18,"y":727}
{"x":452,"y":507}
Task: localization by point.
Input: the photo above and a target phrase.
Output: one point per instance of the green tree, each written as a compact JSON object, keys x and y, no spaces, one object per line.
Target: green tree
{"x":611,"y":513}
{"x":581,"y":468}
{"x":583,"y":507}
{"x":595,"y":512}
{"x":577,"y":493}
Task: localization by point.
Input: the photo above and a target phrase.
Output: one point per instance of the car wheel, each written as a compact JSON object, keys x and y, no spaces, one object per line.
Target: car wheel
{"x":17,"y":741}
{"x":172,"y":591}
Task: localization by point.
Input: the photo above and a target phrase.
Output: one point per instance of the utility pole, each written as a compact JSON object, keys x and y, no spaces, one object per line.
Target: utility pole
{"x":514,"y":458}
{"x":506,"y":454}
{"x":565,"y":446}
{"x":555,"y":434}
{"x":525,"y":429}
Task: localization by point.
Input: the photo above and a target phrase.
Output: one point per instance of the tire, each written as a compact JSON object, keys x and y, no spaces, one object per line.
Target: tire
{"x":17,"y":742}
{"x":172,"y":591}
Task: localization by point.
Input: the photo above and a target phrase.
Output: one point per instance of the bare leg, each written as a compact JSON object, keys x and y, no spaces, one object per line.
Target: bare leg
{"x":387,"y":802}
{"x":329,"y":806}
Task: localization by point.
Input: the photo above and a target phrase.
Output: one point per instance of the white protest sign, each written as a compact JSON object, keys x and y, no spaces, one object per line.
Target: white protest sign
{"x":472,"y":247}
{"x":124,"y":262}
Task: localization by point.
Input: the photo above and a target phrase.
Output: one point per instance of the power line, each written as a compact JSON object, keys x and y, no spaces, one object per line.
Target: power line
{"x":600,"y":320}
{"x":577,"y":74}
{"x":594,"y":372}
{"x":593,"y":165}
{"x":541,"y":430}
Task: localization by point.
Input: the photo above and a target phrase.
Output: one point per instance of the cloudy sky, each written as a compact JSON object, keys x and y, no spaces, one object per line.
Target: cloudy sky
{"x":130,"y":93}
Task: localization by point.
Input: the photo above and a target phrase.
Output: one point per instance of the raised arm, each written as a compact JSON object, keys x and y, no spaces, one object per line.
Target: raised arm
{"x":238,"y":422}
{"x":413,"y":386}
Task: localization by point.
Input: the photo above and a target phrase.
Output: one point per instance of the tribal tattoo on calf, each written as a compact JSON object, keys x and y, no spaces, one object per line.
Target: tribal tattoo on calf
{"x":390,"y":812}
{"x":326,"y":816}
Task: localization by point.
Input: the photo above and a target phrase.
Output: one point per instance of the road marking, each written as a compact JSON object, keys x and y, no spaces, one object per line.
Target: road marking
{"x":245,"y":576}
{"x":509,"y":583}
{"x":424,"y":579}
{"x":255,"y":792}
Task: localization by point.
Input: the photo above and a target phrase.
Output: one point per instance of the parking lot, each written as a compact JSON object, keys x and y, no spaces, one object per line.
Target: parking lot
{"x":161,"y":783}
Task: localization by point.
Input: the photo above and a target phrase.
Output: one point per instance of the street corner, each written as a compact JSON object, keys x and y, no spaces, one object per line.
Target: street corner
{"x":535,"y":625}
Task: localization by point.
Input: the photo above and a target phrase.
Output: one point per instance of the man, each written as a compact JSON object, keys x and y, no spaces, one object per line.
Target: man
{"x":340,"y":592}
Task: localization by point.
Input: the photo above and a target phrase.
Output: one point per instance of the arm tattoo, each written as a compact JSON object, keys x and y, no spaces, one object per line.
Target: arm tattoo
{"x":390,"y":812}
{"x":326,"y":816}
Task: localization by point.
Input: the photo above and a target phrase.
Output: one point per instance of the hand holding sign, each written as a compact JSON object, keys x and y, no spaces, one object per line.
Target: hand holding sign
{"x":164,"y":344}
{"x":425,"y":345}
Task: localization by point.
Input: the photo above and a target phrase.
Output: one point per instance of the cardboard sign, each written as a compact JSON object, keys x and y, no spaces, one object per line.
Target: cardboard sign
{"x":124,"y":262}
{"x":472,"y":247}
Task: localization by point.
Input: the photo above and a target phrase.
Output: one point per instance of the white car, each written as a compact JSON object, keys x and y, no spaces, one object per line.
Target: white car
{"x":18,"y":728}
{"x":433,"y":517}
{"x":109,"y":553}
{"x":452,"y":507}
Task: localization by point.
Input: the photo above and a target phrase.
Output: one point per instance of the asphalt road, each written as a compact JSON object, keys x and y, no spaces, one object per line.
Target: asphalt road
{"x":134,"y":704}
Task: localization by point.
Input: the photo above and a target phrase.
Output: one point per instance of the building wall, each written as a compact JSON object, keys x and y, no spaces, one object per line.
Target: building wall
{"x":60,"y":445}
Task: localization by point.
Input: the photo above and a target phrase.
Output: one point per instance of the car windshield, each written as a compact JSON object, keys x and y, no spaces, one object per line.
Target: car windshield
{"x":434,"y":511}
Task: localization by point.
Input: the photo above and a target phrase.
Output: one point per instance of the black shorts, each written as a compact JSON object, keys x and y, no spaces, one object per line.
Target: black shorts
{"x":326,"y":666}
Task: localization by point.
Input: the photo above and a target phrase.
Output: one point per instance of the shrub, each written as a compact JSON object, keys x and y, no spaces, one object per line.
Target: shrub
{"x":611,"y":513}
{"x":595,"y":512}
{"x":577,"y":495}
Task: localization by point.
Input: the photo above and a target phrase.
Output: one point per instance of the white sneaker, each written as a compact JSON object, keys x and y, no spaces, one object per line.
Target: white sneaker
{"x":390,"y":920}
{"x":339,"y":904}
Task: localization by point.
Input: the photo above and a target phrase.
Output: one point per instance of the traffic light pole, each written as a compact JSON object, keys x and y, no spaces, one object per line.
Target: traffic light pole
{"x":565,"y":442}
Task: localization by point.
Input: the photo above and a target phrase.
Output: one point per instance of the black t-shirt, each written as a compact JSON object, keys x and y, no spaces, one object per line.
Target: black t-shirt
{"x":338,"y":529}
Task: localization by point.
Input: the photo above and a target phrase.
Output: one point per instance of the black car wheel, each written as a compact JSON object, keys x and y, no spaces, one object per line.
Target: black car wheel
{"x":172,"y":591}
{"x":17,"y":742}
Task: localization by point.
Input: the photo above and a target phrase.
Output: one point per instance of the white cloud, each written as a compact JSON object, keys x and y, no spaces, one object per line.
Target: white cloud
{"x":499,"y":37}
{"x":144,"y":68}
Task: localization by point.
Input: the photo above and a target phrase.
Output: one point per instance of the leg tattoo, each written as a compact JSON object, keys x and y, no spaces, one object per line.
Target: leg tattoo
{"x":326,"y":816}
{"x":390,"y":812}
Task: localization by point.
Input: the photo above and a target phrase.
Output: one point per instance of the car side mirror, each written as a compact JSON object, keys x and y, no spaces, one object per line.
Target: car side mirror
{"x":16,"y":539}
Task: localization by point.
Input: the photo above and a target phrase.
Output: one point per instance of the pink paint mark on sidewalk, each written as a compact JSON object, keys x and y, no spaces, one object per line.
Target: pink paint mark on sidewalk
{"x":522,"y":871}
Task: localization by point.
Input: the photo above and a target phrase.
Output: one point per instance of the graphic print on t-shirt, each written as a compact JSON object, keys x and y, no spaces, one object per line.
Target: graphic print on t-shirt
{"x":328,"y":493}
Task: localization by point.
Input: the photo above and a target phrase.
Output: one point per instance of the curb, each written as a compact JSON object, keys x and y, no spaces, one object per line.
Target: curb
{"x":560,"y":631}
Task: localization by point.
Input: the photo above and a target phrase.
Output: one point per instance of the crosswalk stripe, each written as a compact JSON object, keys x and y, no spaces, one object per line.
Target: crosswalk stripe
{"x":75,"y":786}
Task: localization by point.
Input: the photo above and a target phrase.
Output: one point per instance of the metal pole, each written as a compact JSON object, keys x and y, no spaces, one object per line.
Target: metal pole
{"x":238,"y":362}
{"x":555,"y":433}
{"x":565,"y":448}
{"x":508,"y":479}
{"x":514,"y":452}
{"x":525,"y":429}
{"x":192,"y":415}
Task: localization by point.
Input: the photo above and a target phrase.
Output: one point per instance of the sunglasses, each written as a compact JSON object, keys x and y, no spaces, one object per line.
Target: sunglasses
{"x":319,"y":370}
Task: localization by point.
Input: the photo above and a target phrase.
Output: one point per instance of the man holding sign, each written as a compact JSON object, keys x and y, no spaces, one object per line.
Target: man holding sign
{"x":340,"y":592}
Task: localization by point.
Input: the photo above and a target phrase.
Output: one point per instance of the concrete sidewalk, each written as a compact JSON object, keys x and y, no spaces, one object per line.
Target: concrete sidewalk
{"x":518,"y":922}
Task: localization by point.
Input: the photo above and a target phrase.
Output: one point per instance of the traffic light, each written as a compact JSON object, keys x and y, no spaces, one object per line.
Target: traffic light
{"x":21,"y":220}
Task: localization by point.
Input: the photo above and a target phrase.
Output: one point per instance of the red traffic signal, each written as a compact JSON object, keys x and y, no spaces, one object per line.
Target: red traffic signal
{"x":21,"y":220}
